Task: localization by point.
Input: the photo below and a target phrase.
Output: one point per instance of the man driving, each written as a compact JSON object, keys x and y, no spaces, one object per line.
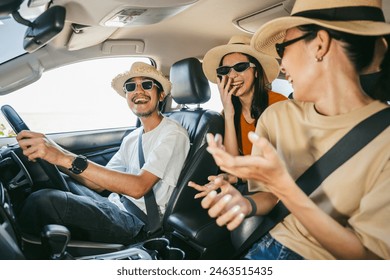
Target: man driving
{"x":86,"y":213}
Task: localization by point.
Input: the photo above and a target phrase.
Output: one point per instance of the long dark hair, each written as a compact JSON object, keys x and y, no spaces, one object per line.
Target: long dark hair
{"x":259,"y":100}
{"x":360,"y":50}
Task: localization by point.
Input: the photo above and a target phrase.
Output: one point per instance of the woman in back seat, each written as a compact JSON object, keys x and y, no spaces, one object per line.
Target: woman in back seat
{"x":243,"y":77}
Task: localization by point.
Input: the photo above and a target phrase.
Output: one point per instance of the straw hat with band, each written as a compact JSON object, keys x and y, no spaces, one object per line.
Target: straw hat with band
{"x":141,"y":69}
{"x":359,"y":17}
{"x":238,"y":44}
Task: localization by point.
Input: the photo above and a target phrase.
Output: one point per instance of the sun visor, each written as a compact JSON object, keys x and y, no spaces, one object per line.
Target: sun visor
{"x":23,"y":73}
{"x":252,"y":22}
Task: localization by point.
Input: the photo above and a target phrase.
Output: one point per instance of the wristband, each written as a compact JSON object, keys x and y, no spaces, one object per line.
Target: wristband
{"x":254,"y":206}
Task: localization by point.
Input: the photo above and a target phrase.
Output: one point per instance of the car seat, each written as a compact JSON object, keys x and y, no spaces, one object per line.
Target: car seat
{"x":186,"y":221}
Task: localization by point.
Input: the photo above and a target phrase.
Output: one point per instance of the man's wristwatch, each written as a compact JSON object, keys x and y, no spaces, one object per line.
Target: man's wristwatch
{"x":79,"y":164}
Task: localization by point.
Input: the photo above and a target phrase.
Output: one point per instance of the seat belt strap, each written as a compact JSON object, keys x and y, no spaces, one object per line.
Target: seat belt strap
{"x":152,"y":210}
{"x":358,"y":137}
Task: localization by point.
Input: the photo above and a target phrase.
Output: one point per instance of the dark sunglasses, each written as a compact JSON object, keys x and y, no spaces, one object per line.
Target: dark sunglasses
{"x":146,"y":85}
{"x":239,"y":67}
{"x":280,"y":47}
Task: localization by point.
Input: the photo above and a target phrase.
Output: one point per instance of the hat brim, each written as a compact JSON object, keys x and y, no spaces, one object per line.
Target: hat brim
{"x":213,"y":57}
{"x":118,"y":82}
{"x":274,"y":31}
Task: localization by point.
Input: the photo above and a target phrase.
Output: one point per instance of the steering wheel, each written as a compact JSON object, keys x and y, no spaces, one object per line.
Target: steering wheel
{"x":52,"y":172}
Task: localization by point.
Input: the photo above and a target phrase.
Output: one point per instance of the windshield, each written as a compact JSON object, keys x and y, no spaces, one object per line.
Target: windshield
{"x":14,"y":32}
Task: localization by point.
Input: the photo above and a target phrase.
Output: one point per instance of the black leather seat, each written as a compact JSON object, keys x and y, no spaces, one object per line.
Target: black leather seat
{"x":244,"y":231}
{"x":185,"y":220}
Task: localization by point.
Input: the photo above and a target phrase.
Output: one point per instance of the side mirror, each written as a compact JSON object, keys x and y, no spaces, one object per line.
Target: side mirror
{"x":44,"y":28}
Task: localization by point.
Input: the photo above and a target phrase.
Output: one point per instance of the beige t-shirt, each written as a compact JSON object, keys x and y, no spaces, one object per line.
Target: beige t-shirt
{"x":357,"y":194}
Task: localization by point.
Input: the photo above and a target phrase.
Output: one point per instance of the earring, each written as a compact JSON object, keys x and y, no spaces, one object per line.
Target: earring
{"x":319,"y":59}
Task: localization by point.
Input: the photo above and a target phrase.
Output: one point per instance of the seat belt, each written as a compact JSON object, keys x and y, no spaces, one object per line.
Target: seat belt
{"x":152,"y":209}
{"x":358,"y":137}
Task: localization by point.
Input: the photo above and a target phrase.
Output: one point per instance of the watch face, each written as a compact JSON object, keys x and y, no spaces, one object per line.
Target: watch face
{"x":79,"y":164}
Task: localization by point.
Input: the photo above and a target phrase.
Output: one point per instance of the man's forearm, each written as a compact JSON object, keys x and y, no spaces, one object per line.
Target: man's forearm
{"x":82,"y":180}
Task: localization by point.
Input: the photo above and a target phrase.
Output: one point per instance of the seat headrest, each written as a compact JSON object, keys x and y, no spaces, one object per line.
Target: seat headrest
{"x":189,"y":84}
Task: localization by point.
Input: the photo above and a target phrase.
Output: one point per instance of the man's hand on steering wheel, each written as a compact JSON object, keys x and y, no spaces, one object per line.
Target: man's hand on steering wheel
{"x":51,"y":170}
{"x":36,"y":145}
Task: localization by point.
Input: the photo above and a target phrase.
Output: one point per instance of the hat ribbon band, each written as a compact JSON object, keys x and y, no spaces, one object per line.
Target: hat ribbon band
{"x":345,"y":14}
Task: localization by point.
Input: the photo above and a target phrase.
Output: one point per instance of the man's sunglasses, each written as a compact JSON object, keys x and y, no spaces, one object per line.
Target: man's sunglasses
{"x":280,"y":47}
{"x":239,"y":67}
{"x":146,"y":85}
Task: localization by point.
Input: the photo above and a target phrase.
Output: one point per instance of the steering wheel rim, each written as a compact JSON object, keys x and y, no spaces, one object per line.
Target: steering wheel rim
{"x":52,"y":172}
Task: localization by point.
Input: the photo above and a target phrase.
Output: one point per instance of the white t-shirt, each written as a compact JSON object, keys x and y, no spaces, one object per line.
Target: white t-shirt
{"x":165,"y":150}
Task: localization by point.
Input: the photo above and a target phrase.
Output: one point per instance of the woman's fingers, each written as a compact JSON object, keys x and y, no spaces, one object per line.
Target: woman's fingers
{"x":229,"y":215}
{"x":203,"y":190}
{"x":196,"y":186}
{"x":212,"y":177}
{"x":209,"y":199}
{"x":218,"y":140}
{"x":216,"y":209}
{"x":226,"y":207}
{"x":236,"y":221}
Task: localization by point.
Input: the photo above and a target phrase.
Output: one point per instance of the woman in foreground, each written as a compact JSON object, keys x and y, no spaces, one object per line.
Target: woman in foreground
{"x":323,"y":46}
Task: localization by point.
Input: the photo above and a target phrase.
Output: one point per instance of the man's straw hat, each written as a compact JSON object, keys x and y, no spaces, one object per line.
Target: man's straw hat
{"x":141,"y":69}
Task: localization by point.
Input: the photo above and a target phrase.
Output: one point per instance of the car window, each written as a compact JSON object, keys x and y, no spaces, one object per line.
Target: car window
{"x":13,"y":31}
{"x":282,"y":86}
{"x":214,"y":103}
{"x":73,"y":98}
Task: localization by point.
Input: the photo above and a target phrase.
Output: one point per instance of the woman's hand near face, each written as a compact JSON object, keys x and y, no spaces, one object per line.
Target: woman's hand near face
{"x":226,"y":91}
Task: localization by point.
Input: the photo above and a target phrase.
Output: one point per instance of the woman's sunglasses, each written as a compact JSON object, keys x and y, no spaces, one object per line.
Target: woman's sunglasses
{"x":239,"y":67}
{"x":146,"y":85}
{"x":280,"y":47}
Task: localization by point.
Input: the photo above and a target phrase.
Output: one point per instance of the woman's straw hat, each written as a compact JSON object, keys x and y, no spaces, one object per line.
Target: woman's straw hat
{"x":238,"y":44}
{"x":360,"y":17}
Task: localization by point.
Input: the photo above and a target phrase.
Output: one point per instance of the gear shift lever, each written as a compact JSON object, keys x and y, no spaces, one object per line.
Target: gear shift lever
{"x":54,"y":239}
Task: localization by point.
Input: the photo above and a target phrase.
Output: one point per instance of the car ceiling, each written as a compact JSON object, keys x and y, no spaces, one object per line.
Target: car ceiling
{"x":200,"y":26}
{"x":190,"y":29}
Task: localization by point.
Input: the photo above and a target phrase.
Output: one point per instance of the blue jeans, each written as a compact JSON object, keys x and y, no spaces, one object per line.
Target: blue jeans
{"x":269,"y":249}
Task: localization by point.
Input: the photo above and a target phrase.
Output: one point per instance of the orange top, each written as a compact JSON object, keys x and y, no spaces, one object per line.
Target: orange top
{"x":246,"y":127}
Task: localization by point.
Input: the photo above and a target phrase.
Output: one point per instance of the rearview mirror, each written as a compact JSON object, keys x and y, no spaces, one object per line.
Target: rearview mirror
{"x":44,"y":28}
{"x":8,"y":6}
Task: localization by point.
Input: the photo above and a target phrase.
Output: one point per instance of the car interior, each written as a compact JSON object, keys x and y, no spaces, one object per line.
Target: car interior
{"x":173,"y":35}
